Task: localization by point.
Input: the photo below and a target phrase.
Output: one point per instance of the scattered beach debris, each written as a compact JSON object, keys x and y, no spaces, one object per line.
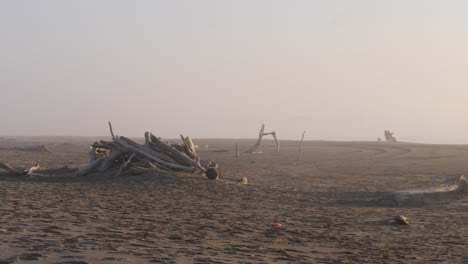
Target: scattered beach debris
{"x":256,"y":147}
{"x":446,"y":191}
{"x":277,"y":224}
{"x":401,"y":220}
{"x":245,"y":181}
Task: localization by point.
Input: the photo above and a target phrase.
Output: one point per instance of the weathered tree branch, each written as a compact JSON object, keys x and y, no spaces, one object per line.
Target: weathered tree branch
{"x":256,"y":146}
{"x":111,"y":131}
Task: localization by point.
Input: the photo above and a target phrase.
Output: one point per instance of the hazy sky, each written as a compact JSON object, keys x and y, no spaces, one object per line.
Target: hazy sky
{"x":342,"y":70}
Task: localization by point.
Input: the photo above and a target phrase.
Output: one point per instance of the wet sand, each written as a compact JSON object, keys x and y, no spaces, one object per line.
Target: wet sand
{"x":323,"y":198}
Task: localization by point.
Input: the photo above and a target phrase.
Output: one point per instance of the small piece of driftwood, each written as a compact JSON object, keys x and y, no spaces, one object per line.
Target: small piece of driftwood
{"x":32,"y":169}
{"x":245,"y":181}
{"x":401,"y":220}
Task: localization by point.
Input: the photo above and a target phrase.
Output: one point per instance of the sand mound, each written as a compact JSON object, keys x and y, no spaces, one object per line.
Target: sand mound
{"x":433,"y":195}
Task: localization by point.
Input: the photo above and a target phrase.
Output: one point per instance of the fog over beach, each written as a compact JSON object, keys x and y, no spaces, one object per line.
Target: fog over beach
{"x":342,"y":70}
{"x":247,"y":131}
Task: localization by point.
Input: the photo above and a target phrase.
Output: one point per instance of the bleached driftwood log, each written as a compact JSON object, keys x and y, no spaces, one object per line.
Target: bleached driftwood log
{"x":189,"y":148}
{"x":174,"y":153}
{"x":401,"y":220}
{"x":92,"y":166}
{"x":256,"y":146}
{"x":123,"y":144}
{"x":32,"y":169}
{"x":148,"y":149}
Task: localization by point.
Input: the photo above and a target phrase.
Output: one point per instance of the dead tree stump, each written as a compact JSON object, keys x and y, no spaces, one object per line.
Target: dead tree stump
{"x":256,"y":146}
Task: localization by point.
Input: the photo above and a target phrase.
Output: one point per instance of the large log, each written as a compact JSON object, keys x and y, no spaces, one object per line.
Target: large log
{"x":148,"y":149}
{"x":123,"y":144}
{"x":125,"y":165}
{"x":109,"y":161}
{"x":175,"y":153}
{"x":92,"y":166}
{"x":189,"y":143}
{"x":137,"y":170}
{"x":189,"y":148}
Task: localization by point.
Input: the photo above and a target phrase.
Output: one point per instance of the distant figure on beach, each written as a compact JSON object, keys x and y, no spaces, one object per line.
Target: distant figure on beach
{"x":389,"y":136}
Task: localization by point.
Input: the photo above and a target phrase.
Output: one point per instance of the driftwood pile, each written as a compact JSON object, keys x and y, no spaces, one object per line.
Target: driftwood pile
{"x":123,"y":154}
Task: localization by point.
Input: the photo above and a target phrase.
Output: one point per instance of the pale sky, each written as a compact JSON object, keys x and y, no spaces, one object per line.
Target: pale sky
{"x":341,"y":70}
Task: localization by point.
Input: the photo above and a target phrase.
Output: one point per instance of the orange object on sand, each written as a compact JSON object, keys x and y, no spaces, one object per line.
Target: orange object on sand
{"x":277,"y":224}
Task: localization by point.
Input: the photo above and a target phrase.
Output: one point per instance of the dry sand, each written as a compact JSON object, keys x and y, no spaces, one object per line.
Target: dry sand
{"x":323,"y":199}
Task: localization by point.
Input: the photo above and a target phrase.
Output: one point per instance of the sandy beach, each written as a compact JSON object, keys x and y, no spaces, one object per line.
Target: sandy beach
{"x":326,"y":200}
